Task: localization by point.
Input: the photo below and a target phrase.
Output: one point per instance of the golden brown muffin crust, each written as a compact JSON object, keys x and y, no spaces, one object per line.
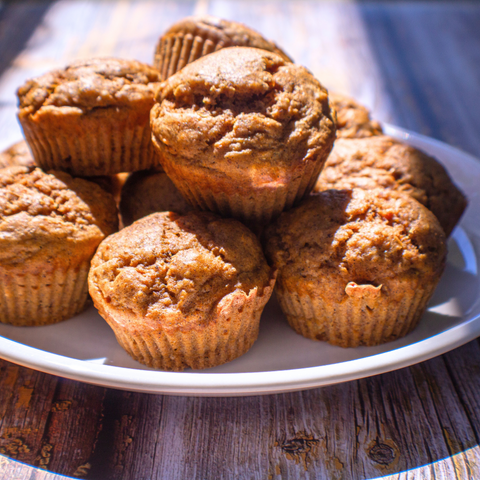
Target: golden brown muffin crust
{"x":90,"y":84}
{"x":358,"y":236}
{"x":150,"y":191}
{"x":356,"y":267}
{"x":240,"y":109}
{"x":91,"y":118}
{"x":176,"y":269}
{"x":51,"y":215}
{"x":384,"y":162}
{"x":353,"y":119}
{"x":17,"y":154}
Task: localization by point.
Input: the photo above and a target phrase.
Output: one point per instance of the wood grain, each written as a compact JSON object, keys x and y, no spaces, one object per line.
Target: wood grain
{"x":362,"y":429}
{"x":25,"y":400}
{"x":416,"y":65}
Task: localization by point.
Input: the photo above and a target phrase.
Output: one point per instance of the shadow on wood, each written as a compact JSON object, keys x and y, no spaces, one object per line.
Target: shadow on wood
{"x":421,"y":50}
{"x":18,"y":21}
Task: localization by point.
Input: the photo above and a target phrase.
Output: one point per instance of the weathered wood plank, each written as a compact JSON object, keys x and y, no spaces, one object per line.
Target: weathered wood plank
{"x":25,"y":399}
{"x":364,"y":429}
{"x":47,"y":421}
{"x":73,"y":426}
{"x":428,"y":54}
{"x":17,"y":22}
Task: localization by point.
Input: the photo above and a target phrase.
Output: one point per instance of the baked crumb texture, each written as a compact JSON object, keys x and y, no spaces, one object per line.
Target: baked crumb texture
{"x":150,"y":191}
{"x":50,"y":227}
{"x":243,"y":133}
{"x":182,"y":291}
{"x":356,"y":267}
{"x":90,"y":118}
{"x":381,"y":161}
{"x":353,"y":119}
{"x":17,"y":154}
{"x":193,"y":37}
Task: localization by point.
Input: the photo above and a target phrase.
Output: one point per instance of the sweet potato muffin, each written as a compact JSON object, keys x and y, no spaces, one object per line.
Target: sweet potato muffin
{"x":243,"y":133}
{"x":111,"y":183}
{"x":356,"y":267}
{"x":353,"y":119}
{"x":50,"y":227}
{"x":182,"y":291}
{"x":381,"y":161}
{"x":90,"y":118}
{"x":150,"y":191}
{"x":18,"y":154}
{"x":194,"y":37}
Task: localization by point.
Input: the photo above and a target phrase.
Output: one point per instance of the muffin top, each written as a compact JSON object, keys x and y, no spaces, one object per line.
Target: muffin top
{"x":166,"y":267}
{"x":240,"y":109}
{"x":150,"y":191}
{"x":381,"y":161}
{"x":51,"y":216}
{"x":361,"y":236}
{"x":223,"y":33}
{"x":90,"y":84}
{"x":353,"y":119}
{"x":17,"y":154}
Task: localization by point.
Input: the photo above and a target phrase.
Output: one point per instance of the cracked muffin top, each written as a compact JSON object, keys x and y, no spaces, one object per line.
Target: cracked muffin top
{"x":90,"y":84}
{"x":381,"y":161}
{"x":168,"y":266}
{"x":219,"y":32}
{"x":353,"y":119}
{"x":17,"y":154}
{"x":240,"y":109}
{"x":51,"y":215}
{"x":361,"y":236}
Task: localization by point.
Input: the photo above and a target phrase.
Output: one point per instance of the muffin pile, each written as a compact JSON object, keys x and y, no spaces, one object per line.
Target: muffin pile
{"x":243,"y":133}
{"x":236,"y":188}
{"x":50,"y":226}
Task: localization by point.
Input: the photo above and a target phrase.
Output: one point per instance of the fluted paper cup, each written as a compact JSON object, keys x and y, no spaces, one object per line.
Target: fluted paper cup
{"x":230,"y":332}
{"x":28,"y":299}
{"x":103,"y":142}
{"x":367,"y":316}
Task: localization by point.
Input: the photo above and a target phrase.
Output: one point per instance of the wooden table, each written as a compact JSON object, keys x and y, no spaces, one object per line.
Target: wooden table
{"x":416,"y":65}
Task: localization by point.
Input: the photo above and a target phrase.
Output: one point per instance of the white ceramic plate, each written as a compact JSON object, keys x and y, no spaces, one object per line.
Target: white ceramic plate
{"x":84,"y":348}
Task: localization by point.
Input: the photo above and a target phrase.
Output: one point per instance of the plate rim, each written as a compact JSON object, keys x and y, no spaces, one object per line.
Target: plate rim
{"x":252,"y":383}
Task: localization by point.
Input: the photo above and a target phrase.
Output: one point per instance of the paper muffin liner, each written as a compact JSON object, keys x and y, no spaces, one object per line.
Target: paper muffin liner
{"x":91,"y":145}
{"x":173,"y":52}
{"x":256,"y":206}
{"x":355,"y":321}
{"x":28,"y":299}
{"x":228,"y":334}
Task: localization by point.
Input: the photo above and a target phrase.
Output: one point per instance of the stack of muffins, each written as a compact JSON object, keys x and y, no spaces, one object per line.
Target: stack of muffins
{"x":226,"y":139}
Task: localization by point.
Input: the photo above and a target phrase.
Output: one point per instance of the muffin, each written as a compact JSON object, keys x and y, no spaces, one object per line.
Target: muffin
{"x":243,"y":133}
{"x":50,"y":227}
{"x":381,"y":161}
{"x":17,"y":154}
{"x":90,"y":118}
{"x":353,"y":119}
{"x":150,"y":191}
{"x":356,"y":267}
{"x":182,"y":291}
{"x":194,"y":37}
